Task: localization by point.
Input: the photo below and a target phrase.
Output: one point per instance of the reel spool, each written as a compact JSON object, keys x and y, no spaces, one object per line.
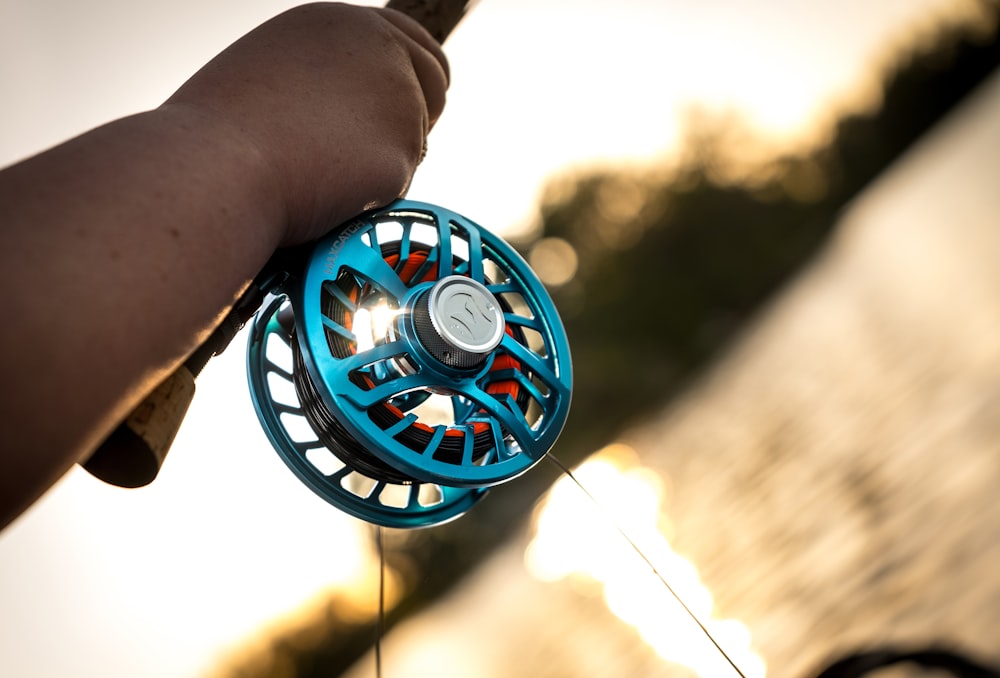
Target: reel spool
{"x":414,"y":363}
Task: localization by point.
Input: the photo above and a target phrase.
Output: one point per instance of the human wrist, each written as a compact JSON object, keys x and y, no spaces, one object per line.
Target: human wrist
{"x":234,"y":161}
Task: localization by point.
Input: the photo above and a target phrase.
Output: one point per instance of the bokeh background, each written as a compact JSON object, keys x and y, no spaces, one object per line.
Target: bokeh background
{"x":771,"y":229}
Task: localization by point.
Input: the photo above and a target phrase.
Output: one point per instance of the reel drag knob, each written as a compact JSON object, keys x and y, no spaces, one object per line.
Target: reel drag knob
{"x":459,"y":322}
{"x":414,"y":363}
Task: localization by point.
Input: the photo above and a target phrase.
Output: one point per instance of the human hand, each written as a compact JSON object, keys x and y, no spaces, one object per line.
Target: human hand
{"x":336,"y":99}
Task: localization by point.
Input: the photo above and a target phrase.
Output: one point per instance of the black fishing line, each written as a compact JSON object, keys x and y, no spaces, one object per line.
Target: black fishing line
{"x":380,"y":619}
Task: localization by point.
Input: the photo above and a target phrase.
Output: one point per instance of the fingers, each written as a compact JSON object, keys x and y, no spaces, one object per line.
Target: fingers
{"x":429,"y":61}
{"x":418,"y":34}
{"x":337,"y":99}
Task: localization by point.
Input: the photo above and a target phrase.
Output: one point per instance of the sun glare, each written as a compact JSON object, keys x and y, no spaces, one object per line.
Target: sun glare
{"x":567,"y":544}
{"x":372,"y":326}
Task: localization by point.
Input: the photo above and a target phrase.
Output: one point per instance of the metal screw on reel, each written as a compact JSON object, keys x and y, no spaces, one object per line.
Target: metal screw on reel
{"x":415,"y":362}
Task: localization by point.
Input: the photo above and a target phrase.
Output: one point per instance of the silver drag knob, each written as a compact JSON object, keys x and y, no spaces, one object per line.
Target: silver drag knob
{"x":459,"y":321}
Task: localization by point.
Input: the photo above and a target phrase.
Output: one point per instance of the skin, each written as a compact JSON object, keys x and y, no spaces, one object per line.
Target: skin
{"x":122,"y":249}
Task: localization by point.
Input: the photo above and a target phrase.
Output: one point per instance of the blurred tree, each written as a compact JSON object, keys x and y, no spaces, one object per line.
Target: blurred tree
{"x":670,"y":266}
{"x":657,"y":296}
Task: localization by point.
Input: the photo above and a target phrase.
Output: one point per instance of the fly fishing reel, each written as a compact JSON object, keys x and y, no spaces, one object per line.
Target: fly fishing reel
{"x":415,"y":362}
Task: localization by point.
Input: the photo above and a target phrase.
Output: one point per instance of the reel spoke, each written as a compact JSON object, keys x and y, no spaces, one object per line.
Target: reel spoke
{"x":374,"y":268}
{"x":365,"y":400}
{"x":357,"y":361}
{"x":524,"y":321}
{"x":476,"y":256}
{"x":538,"y":365}
{"x":501,"y":411}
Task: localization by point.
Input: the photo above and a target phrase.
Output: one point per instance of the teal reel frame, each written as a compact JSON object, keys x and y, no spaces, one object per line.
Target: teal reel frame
{"x":413,"y":363}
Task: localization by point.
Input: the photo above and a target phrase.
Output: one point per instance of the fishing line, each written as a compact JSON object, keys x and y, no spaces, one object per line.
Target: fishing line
{"x":607,"y":515}
{"x":380,"y":618}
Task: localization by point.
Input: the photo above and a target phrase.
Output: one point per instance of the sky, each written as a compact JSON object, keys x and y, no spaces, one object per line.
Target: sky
{"x":165,"y":581}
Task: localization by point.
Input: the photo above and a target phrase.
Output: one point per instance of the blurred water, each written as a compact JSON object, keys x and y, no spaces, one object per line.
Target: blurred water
{"x":835,"y":478}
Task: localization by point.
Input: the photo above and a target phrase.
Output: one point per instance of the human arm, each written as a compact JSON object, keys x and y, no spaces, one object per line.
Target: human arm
{"x":121,"y":249}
